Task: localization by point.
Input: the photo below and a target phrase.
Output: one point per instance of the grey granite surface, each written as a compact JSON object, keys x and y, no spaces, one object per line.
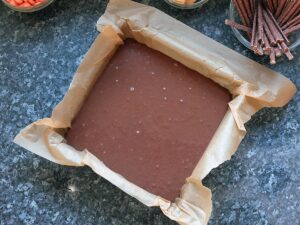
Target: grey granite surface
{"x":39,"y":52}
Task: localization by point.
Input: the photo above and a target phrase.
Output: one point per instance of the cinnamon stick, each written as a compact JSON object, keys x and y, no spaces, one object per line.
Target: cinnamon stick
{"x":270,"y":5}
{"x":291,"y":29}
{"x":272,"y":57}
{"x":287,"y":8}
{"x":292,"y":22}
{"x":243,"y":11}
{"x":259,"y":50}
{"x":248,"y":10}
{"x":284,"y":47}
{"x":296,"y":13}
{"x":254,"y":30}
{"x":238,"y":26}
{"x":252,"y":6}
{"x":294,"y":8}
{"x":269,"y":35}
{"x":260,"y":21}
{"x":281,"y":5}
{"x":275,"y":3}
{"x":289,"y":55}
{"x":267,"y":46}
{"x":278,"y":52}
{"x":272,"y":28}
{"x":237,"y":6}
{"x":279,"y":47}
{"x":256,"y":44}
{"x":277,"y":26}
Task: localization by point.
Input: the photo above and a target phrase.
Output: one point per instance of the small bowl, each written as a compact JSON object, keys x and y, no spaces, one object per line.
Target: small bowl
{"x":38,"y":7}
{"x":196,"y":4}
{"x":241,"y":36}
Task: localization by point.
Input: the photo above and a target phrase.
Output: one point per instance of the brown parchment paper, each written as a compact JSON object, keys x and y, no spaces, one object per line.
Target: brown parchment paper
{"x":252,"y":85}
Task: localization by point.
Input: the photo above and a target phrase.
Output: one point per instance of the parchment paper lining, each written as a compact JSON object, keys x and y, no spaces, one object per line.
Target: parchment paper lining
{"x":252,"y":85}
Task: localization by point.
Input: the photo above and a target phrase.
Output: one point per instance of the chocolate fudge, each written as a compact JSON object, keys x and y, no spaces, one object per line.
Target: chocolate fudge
{"x":149,"y":118}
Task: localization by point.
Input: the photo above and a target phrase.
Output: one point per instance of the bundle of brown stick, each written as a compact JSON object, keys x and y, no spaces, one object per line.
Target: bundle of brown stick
{"x":268,"y":24}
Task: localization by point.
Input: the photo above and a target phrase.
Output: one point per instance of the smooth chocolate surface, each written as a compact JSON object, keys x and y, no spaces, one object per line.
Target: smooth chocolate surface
{"x":149,"y":118}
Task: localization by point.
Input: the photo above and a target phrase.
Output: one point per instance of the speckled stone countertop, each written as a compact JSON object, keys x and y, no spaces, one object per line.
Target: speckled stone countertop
{"x":39,"y":53}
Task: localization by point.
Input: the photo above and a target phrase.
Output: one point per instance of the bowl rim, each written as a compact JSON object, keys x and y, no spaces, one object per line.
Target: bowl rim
{"x":238,"y":34}
{"x":194,"y":5}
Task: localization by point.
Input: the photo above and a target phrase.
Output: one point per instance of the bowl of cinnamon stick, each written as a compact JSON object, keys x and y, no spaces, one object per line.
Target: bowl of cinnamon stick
{"x":267,"y":27}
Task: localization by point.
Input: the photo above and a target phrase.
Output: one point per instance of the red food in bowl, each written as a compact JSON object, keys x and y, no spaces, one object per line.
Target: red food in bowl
{"x":24,"y":3}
